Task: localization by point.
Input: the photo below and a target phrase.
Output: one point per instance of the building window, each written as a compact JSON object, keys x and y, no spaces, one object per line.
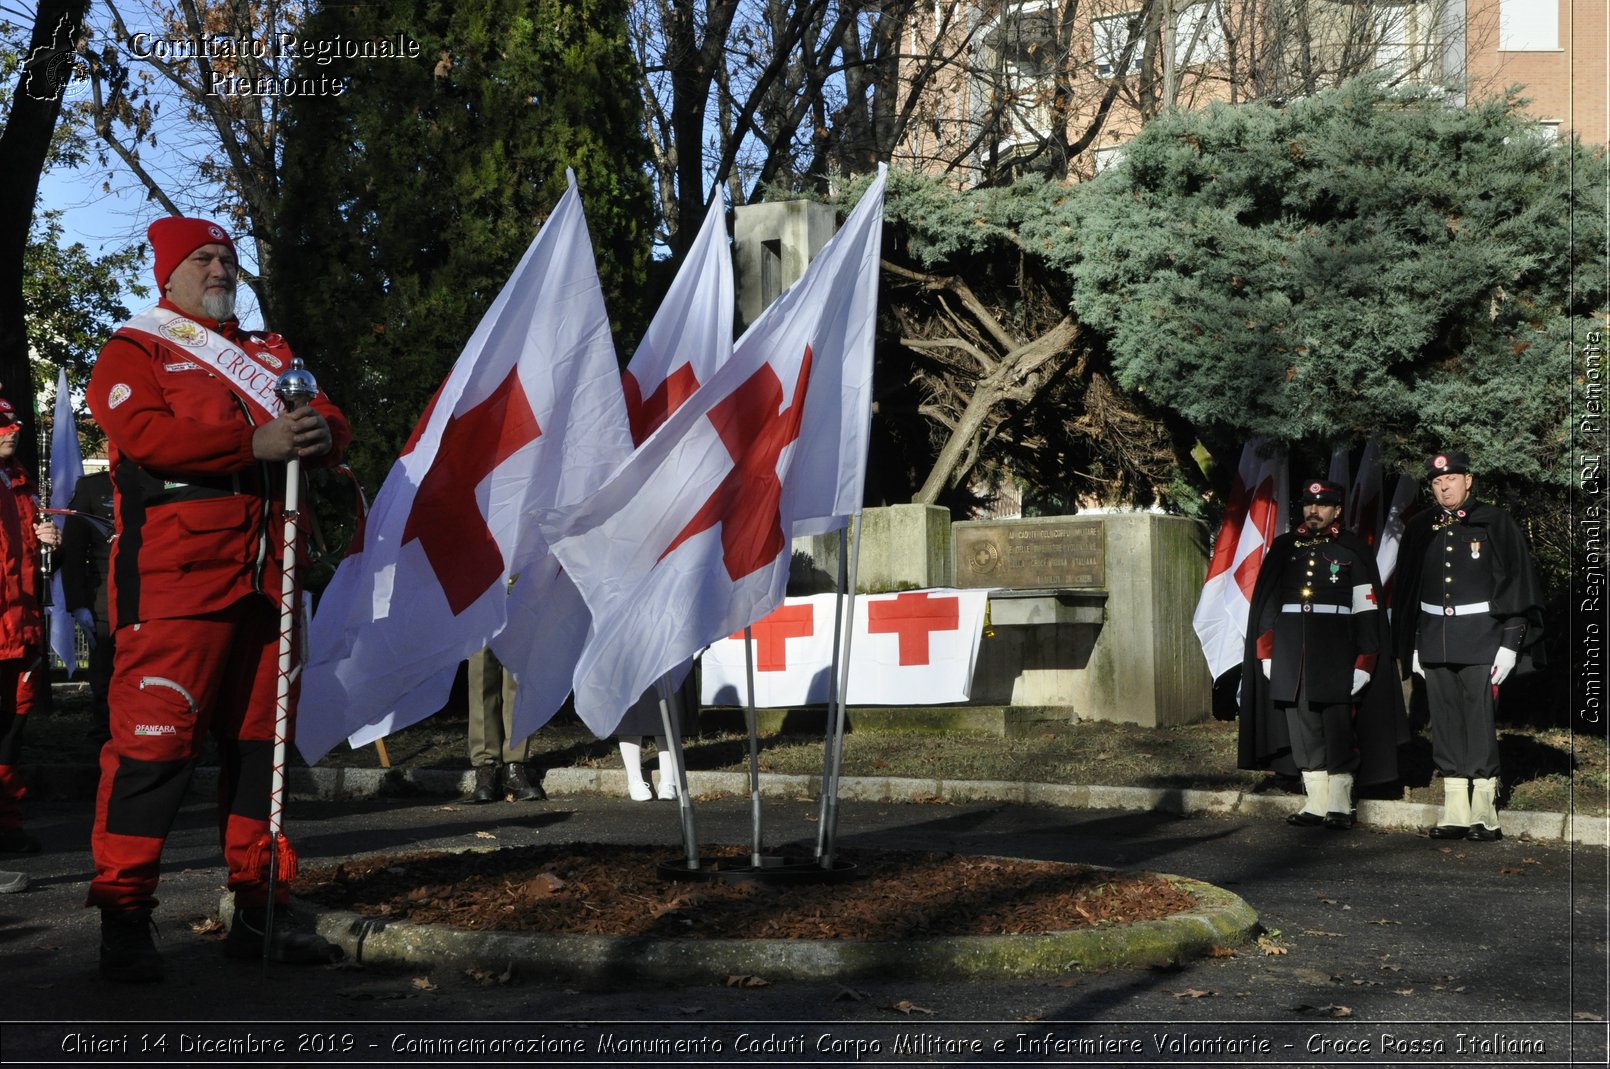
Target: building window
{"x":1109,"y":157}
{"x":1528,"y":25}
{"x":1198,"y":35}
{"x":1108,"y":37}
{"x":1404,"y":35}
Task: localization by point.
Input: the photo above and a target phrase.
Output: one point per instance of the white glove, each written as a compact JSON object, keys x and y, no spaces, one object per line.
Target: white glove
{"x":1503,"y":665}
{"x":86,"y":623}
{"x":1268,"y":668}
{"x":1361,"y":679}
{"x":1415,"y":665}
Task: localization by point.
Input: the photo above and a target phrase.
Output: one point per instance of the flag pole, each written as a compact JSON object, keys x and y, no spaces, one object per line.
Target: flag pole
{"x":296,"y":387}
{"x":754,"y":748}
{"x":670,"y":717}
{"x":829,"y":830}
{"x":841,"y":580}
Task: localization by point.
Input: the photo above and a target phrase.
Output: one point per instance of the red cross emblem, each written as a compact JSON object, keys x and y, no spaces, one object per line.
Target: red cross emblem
{"x":1369,"y":596}
{"x":645,"y":414}
{"x":445,"y":517}
{"x":913,"y":617}
{"x":746,"y":504}
{"x":772,"y":634}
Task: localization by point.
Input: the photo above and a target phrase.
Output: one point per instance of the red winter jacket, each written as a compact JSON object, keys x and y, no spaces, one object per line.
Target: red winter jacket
{"x":21,"y":634}
{"x":199,"y":519}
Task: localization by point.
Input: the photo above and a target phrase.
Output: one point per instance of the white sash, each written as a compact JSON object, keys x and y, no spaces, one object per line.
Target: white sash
{"x":252,"y":376}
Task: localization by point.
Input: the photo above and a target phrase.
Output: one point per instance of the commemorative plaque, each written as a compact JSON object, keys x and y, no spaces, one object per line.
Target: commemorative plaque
{"x":1050,"y":552}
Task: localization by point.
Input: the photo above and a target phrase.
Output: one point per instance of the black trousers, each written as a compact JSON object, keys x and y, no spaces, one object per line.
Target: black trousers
{"x":1464,"y":736}
{"x":1322,"y":736}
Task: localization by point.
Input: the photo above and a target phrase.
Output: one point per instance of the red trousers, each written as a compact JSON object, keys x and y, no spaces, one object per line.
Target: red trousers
{"x":20,"y":680}
{"x":174,"y":682}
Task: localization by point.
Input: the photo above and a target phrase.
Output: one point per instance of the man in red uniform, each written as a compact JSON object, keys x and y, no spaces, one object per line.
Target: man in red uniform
{"x":22,"y":531}
{"x":197,"y":449}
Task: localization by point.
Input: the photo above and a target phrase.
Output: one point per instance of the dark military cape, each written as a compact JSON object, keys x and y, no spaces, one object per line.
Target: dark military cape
{"x":1380,"y":723}
{"x":1516,"y":590}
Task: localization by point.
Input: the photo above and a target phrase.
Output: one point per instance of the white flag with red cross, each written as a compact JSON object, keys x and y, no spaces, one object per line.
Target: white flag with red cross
{"x":689,"y":540}
{"x":691,"y":334}
{"x":918,"y":647}
{"x":450,"y":560}
{"x":1404,"y":492}
{"x":792,"y":649}
{"x":1254,"y":517}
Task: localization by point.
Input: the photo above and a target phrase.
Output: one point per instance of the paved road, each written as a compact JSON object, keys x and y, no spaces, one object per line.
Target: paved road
{"x":1399,"y":951}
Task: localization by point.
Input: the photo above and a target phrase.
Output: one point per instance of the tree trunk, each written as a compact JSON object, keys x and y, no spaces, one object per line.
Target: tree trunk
{"x":24,"y":147}
{"x":986,"y":397}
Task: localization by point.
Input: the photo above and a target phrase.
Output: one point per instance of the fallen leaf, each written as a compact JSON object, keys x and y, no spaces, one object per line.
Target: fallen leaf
{"x":850,"y":994}
{"x":1193,"y":992}
{"x":906,"y":1006}
{"x":447,"y":809}
{"x":487,"y":978}
{"x":1336,"y":1011}
{"x":1530,"y":861}
{"x":1384,"y":920}
{"x":1029,"y":1018}
{"x":1066,"y":981}
{"x":1403,"y":991}
{"x":1314,"y":931}
{"x":485,"y":835}
{"x":1586,"y":1015}
{"x":1217,"y":951}
{"x":1510,"y":870}
{"x":746,"y":981}
{"x":1270,"y":947}
{"x":423,"y":983}
{"x":206,"y":925}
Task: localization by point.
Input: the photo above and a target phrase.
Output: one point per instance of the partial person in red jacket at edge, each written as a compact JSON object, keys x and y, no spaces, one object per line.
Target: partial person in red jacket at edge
{"x":22,"y":670}
{"x":197,"y":447}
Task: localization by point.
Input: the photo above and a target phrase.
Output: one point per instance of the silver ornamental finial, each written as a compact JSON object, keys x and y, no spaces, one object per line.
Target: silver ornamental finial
{"x":296,"y":385}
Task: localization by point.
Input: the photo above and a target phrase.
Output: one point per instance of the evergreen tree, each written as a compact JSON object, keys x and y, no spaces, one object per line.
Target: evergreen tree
{"x":1363,"y":261}
{"x":410,"y":196}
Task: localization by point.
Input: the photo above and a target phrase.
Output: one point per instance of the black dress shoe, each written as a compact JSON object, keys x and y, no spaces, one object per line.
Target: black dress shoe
{"x":128,"y":953}
{"x":1304,"y":819}
{"x":1481,"y":833}
{"x":519,"y":786}
{"x":1338,"y":821}
{"x":290,"y":939}
{"x":1449,"y":831}
{"x":486,"y":785}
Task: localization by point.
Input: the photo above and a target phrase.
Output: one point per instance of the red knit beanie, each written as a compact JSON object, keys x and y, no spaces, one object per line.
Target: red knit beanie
{"x":174,"y":237}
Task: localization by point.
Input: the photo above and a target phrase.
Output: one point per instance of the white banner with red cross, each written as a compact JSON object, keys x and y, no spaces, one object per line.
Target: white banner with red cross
{"x":917,"y":647}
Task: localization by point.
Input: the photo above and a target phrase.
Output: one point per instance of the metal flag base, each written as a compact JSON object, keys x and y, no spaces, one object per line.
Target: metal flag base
{"x":770,"y":869}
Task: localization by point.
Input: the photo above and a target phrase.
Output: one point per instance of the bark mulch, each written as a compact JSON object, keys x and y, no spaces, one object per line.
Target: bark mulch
{"x":596,"y":889}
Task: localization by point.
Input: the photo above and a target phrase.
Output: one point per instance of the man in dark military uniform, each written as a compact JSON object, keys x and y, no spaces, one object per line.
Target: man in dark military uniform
{"x":1316,"y":641}
{"x":1467,"y":605}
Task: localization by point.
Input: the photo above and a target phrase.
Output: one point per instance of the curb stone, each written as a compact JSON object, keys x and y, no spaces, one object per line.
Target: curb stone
{"x":1220,"y":918}
{"x":347,"y":784}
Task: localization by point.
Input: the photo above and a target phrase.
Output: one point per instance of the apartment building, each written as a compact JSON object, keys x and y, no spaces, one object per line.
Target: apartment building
{"x":1058,"y":86}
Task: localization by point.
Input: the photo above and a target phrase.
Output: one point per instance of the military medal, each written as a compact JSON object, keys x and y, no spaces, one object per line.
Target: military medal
{"x":1475,"y":550}
{"x":1334,"y":568}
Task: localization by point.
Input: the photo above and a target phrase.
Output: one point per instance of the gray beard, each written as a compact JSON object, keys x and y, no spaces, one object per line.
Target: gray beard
{"x":218,"y":305}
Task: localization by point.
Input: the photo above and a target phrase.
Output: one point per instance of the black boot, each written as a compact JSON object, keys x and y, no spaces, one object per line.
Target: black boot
{"x":519,"y":785}
{"x":291,"y":940}
{"x":128,"y":954}
{"x":486,"y":785}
